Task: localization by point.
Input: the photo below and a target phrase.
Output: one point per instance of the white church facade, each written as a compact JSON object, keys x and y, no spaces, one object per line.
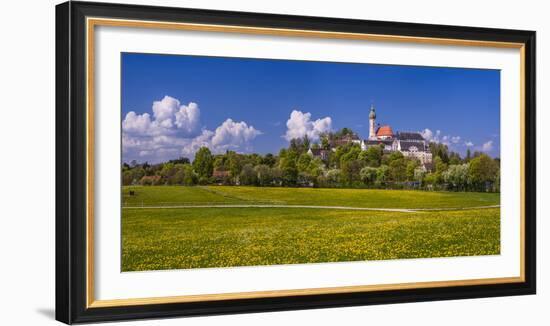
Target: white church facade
{"x":410,"y":144}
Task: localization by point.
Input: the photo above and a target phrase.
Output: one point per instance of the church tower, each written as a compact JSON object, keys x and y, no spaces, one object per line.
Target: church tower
{"x":372,"y":118}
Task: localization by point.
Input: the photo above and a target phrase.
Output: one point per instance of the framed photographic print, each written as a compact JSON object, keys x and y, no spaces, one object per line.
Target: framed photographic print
{"x":212,"y":162}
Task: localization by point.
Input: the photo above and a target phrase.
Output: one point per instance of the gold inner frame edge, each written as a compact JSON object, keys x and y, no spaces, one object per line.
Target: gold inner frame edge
{"x":91,"y":22}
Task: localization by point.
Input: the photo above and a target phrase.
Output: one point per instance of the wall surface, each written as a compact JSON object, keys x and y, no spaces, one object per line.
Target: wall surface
{"x":27,"y":162}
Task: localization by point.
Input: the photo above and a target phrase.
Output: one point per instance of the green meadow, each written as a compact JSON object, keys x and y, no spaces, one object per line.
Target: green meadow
{"x":158,"y":236}
{"x":375,"y":198}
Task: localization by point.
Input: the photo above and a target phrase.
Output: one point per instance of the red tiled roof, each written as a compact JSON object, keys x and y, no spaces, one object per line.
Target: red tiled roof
{"x":151,"y":177}
{"x":220,"y":174}
{"x":384,"y":131}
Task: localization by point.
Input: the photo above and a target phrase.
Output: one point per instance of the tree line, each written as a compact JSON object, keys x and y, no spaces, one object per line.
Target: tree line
{"x":345,"y":165}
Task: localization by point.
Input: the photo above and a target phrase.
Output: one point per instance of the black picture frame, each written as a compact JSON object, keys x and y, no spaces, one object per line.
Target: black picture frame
{"x":71,"y":158}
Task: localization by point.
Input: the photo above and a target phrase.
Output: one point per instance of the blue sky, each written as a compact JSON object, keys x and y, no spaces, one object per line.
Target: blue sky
{"x":172,"y":105}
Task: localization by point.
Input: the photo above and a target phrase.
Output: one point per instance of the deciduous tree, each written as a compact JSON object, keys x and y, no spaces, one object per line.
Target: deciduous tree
{"x":203,"y":163}
{"x":483,"y":172}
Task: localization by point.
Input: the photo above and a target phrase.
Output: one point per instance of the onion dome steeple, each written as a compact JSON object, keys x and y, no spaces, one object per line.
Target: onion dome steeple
{"x":372,"y":114}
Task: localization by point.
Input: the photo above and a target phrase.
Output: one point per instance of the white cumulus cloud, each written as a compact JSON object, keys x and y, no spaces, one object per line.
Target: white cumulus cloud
{"x":430,"y":135}
{"x":188,"y":117}
{"x":169,"y":117}
{"x":438,"y":137}
{"x":457,"y":143}
{"x":135,"y":123}
{"x":300,"y":124}
{"x":231,"y":134}
{"x":164,"y":109}
{"x":174,"y":130}
{"x":487,"y":147}
{"x":191,"y":146}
